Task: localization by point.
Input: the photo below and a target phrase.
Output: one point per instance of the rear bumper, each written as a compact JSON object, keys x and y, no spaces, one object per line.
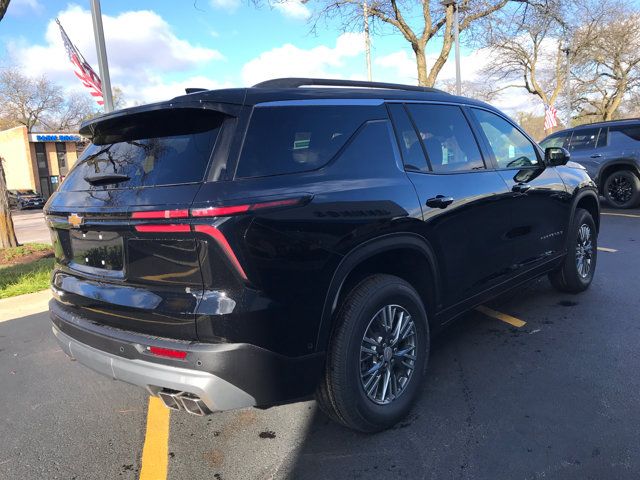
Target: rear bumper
{"x":224,"y":376}
{"x":216,"y":393}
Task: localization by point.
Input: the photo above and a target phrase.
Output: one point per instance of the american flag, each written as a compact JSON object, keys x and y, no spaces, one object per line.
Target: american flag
{"x":550,"y":117}
{"x":81,"y":67}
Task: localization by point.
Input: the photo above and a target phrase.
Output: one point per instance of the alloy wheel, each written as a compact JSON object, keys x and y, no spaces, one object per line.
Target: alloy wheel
{"x":620,"y":189}
{"x":584,"y":250}
{"x":388,"y":354}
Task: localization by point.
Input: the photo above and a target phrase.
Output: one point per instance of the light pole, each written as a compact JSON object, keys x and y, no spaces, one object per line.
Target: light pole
{"x":567,"y":80}
{"x":456,"y":39}
{"x":367,"y":39}
{"x":103,"y":65}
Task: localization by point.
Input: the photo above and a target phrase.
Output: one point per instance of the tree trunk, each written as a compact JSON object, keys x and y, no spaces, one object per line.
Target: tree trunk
{"x":7,"y":232}
{"x":421,"y":64}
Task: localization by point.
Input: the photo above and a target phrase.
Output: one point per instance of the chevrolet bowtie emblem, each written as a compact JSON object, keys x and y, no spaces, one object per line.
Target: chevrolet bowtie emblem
{"x":75,"y":220}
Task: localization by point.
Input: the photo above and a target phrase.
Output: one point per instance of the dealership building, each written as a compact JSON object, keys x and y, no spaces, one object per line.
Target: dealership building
{"x":38,"y":161}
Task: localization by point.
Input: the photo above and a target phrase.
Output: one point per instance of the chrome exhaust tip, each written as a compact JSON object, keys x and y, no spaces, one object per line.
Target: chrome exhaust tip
{"x":193,"y":404}
{"x":170,"y":399}
{"x":188,"y":402}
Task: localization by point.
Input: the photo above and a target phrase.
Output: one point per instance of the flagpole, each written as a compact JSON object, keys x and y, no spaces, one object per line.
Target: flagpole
{"x":103,"y":65}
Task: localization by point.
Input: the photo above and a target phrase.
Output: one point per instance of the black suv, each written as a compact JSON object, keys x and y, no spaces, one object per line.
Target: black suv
{"x":610,"y":151}
{"x":22,"y":199}
{"x":250,"y":247}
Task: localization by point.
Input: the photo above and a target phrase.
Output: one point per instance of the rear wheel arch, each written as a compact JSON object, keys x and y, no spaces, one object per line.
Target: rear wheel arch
{"x":405,"y":255}
{"x":589,"y":201}
{"x":615,"y":167}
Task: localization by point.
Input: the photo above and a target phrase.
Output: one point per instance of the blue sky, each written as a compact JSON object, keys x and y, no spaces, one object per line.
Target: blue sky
{"x":156,"y":48}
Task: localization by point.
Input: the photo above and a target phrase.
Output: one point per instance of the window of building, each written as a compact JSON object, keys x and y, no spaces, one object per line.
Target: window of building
{"x":41,"y":156}
{"x":61,"y":151}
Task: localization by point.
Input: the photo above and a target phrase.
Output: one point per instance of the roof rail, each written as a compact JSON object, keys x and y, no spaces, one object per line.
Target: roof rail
{"x":194,"y":90}
{"x":295,"y":82}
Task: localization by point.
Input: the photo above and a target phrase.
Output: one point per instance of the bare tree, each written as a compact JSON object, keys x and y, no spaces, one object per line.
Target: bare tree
{"x":435,"y":19}
{"x":7,"y":231}
{"x":529,"y":54}
{"x":4,"y":4}
{"x":609,"y":69}
{"x":39,"y":103}
{"x":25,"y":100}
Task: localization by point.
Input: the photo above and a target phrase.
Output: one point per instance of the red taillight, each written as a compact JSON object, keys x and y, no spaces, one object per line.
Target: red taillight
{"x":163,"y":228}
{"x":161,"y":214}
{"x":249,"y":207}
{"x":167,"y":352}
{"x":219,"y":211}
{"x":217,"y":235}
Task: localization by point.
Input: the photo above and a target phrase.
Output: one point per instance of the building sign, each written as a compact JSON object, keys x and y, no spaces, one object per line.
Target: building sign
{"x":54,"y":137}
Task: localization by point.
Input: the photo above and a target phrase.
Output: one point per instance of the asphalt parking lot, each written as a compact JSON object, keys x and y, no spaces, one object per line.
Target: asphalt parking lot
{"x":30,"y":227}
{"x":557,"y":396}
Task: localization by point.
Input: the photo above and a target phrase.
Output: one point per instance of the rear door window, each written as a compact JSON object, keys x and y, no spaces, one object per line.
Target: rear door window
{"x":447,"y":137}
{"x":410,"y":144}
{"x":175,"y":152}
{"x":291,"y":139}
{"x":584,"y":139}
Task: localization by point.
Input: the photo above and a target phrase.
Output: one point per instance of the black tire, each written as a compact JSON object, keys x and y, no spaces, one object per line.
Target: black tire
{"x":622,"y":189}
{"x":570,"y":277}
{"x":341,"y":393}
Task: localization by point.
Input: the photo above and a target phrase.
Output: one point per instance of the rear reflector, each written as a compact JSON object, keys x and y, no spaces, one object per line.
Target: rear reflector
{"x":162,"y":228}
{"x":167,"y":352}
{"x":161,"y":214}
{"x":220,"y":239}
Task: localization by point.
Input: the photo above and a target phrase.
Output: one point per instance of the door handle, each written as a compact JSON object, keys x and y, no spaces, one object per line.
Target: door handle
{"x":439,"y":201}
{"x":596,"y":155}
{"x":520,"y":187}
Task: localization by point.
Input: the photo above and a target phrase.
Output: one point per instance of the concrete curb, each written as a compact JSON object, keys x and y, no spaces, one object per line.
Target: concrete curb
{"x":24,"y":305}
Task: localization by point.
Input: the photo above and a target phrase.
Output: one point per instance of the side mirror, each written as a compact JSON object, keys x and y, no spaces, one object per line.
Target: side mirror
{"x":556,"y":156}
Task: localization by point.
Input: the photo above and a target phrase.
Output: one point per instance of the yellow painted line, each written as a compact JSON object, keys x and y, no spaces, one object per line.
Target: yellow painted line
{"x":516,"y":322}
{"x":605,"y":249}
{"x":155,"y":454}
{"x":629,"y":215}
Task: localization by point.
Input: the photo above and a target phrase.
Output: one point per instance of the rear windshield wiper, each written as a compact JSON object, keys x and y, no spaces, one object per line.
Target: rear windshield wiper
{"x":107,"y":178}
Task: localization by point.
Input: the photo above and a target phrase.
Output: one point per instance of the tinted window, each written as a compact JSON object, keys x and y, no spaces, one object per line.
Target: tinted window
{"x":560,"y":139}
{"x":297,"y":139}
{"x":371,"y":148}
{"x":447,"y":137}
{"x":625,"y":135}
{"x":412,"y":153}
{"x":510,"y":147}
{"x":584,"y":139}
{"x":146,"y":161}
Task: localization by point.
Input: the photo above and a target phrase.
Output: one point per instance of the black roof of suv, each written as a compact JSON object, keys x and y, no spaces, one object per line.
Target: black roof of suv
{"x":610,"y":151}
{"x":248,"y":247}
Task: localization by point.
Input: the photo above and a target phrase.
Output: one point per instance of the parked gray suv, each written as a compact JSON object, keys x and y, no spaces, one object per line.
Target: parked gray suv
{"x":610,"y":151}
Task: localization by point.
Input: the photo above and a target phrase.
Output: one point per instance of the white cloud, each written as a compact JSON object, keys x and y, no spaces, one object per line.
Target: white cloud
{"x":23,"y":7}
{"x":158,"y":90}
{"x":292,"y":61}
{"x":228,"y":5}
{"x":293,"y":9}
{"x":141,"y":47}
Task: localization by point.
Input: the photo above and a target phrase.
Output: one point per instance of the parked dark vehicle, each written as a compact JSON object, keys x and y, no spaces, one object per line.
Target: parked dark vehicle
{"x":250,"y":247}
{"x":610,"y":151}
{"x":23,"y":199}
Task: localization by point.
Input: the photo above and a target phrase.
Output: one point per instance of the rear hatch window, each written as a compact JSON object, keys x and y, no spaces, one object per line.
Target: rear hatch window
{"x":161,"y":150}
